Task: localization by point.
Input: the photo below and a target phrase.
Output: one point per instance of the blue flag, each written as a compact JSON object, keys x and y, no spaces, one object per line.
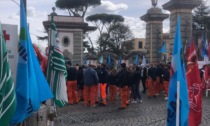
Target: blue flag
{"x":109,"y":60}
{"x":31,"y":85}
{"x":85,"y":61}
{"x":163,"y":48}
{"x":203,"y":48}
{"x":178,"y":75}
{"x":137,"y":60}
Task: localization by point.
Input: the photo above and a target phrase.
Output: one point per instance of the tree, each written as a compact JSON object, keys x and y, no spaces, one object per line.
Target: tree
{"x":77,"y":7}
{"x":200,"y":17}
{"x":119,"y":34}
{"x":103,"y":22}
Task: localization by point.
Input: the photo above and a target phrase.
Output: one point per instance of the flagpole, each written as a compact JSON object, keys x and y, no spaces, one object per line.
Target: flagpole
{"x":178,"y":103}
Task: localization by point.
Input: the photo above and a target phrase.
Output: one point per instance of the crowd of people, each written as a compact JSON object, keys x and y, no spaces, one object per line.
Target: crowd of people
{"x":94,"y":84}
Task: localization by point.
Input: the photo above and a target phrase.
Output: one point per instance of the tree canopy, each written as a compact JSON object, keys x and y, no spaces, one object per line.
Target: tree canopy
{"x":104,"y":20}
{"x":120,"y":33}
{"x":77,"y":7}
{"x":201,"y":17}
{"x":201,"y":22}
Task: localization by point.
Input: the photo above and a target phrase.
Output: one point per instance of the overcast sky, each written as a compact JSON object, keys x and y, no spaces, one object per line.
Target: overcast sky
{"x":38,"y":10}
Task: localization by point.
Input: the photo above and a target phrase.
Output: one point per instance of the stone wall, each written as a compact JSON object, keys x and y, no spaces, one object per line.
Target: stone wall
{"x":153,"y":40}
{"x":186,"y":27}
{"x":78,"y":48}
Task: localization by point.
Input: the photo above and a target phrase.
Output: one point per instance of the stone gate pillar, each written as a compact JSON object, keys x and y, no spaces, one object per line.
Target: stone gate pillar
{"x":70,"y":30}
{"x":183,"y":8}
{"x":154,"y":25}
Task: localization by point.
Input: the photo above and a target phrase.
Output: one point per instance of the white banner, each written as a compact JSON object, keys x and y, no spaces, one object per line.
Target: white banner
{"x":11,"y":38}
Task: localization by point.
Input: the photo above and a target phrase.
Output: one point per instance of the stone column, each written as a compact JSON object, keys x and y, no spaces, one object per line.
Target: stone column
{"x":182,"y":8}
{"x":154,"y":25}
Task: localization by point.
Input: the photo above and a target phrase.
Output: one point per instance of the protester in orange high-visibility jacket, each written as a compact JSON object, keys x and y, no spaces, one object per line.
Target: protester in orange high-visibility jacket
{"x":166,"y":79}
{"x":80,"y":84}
{"x":90,"y":82}
{"x":152,"y":74}
{"x":103,"y":76}
{"x":112,"y":80}
{"x":123,"y":81}
{"x":71,"y":84}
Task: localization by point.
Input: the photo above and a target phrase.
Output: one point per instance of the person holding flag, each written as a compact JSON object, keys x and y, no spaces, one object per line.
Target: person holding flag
{"x":178,"y":104}
{"x":31,"y":86}
{"x":194,"y":87}
{"x":7,"y":89}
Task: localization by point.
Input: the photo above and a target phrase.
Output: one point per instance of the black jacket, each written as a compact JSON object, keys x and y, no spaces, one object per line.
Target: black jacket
{"x":123,"y":78}
{"x":103,"y":75}
{"x":80,"y":79}
{"x":144,"y":73}
{"x":136,"y":77}
{"x":152,"y":72}
{"x":166,"y":75}
{"x":112,"y":79}
{"x":72,"y":74}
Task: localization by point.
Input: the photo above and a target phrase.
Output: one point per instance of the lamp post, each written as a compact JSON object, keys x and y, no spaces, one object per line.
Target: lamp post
{"x":24,"y":2}
{"x":154,"y":3}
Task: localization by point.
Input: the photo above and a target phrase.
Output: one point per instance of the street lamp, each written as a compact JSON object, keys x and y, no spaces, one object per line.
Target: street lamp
{"x":24,"y":2}
{"x":154,"y":3}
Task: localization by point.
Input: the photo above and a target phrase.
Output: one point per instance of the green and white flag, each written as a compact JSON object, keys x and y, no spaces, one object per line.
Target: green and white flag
{"x":7,"y":90}
{"x":56,"y":69}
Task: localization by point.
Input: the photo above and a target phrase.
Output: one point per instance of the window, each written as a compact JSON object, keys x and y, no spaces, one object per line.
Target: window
{"x":66,"y":41}
{"x":140,"y":45}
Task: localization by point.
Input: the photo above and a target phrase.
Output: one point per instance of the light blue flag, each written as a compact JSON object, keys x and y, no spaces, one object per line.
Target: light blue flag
{"x":109,"y":60}
{"x":31,"y":85}
{"x":178,"y":75}
{"x":163,"y":48}
{"x":137,"y":60}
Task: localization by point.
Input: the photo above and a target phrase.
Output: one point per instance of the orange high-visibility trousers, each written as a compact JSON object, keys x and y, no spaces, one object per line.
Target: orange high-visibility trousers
{"x":113,"y":93}
{"x":123,"y":96}
{"x":72,"y":91}
{"x":80,"y":94}
{"x":103,"y":92}
{"x":96,"y":93}
{"x":166,"y":84}
{"x":159,"y":86}
{"x":151,"y":88}
{"x":89,"y":94}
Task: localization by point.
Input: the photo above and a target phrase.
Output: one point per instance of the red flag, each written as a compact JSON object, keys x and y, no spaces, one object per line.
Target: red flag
{"x":194,"y":87}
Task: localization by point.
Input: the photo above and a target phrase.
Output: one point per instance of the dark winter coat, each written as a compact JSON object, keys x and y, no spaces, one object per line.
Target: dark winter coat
{"x":90,"y":77}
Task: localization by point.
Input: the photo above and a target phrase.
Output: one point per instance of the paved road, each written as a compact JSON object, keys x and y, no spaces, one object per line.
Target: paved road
{"x":152,"y":112}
